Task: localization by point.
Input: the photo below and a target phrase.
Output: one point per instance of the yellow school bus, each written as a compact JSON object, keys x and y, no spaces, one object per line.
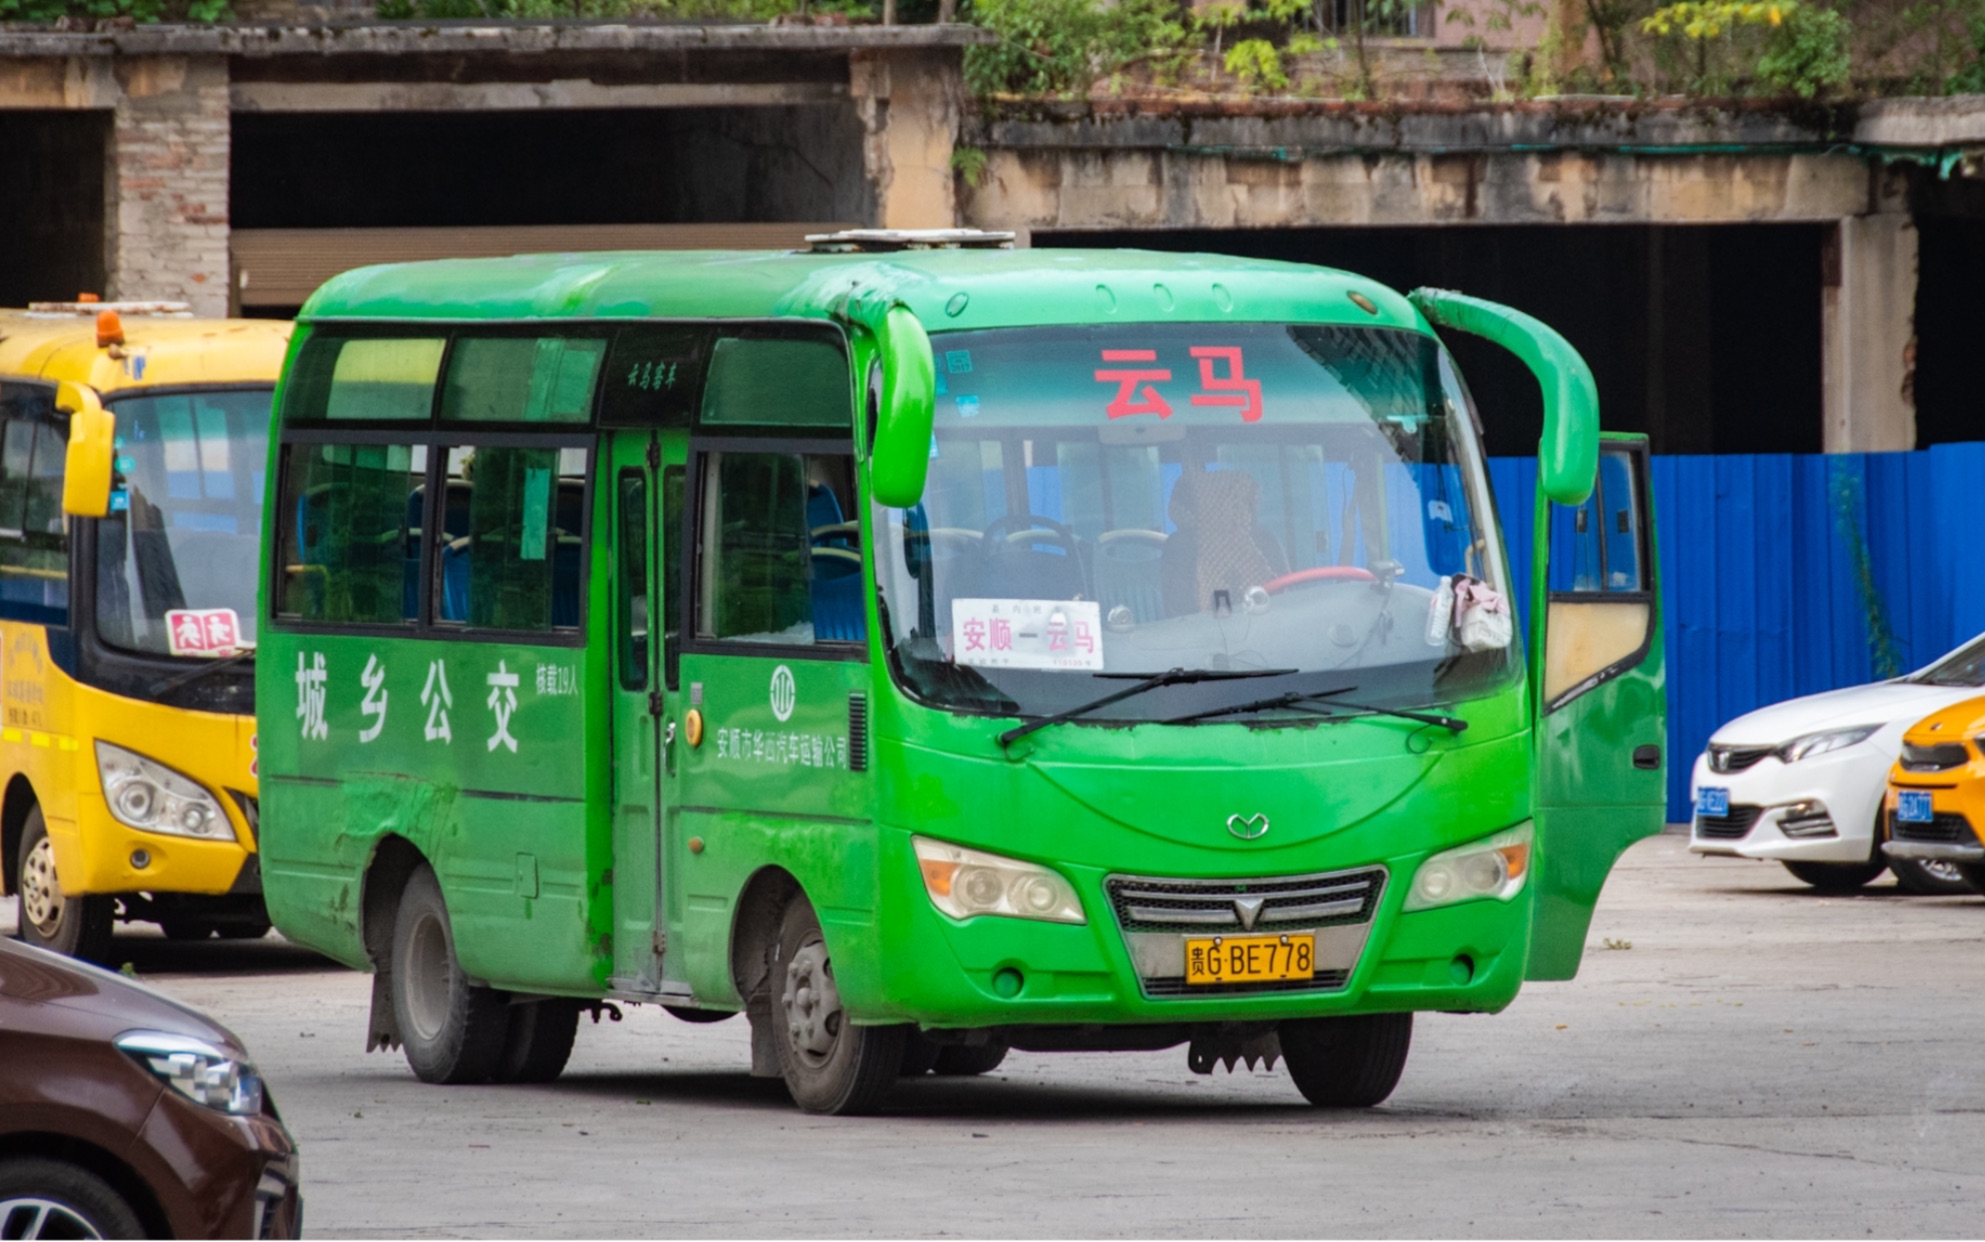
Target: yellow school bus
{"x":133,"y":444}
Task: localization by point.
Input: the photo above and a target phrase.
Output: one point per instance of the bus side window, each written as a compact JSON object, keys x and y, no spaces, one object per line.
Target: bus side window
{"x":34,"y":533}
{"x":781,"y":559}
{"x":636,"y":610}
{"x":516,"y":567}
{"x":674,"y":487}
{"x":349,"y":529}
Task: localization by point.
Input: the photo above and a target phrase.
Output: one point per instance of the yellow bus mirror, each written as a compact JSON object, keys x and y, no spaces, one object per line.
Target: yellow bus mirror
{"x":92,"y":450}
{"x":899,"y":457}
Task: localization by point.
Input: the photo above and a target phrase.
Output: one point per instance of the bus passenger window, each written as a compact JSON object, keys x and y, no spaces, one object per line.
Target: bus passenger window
{"x":782,"y":558}
{"x":516,"y":565}
{"x":350,"y":533}
{"x":636,"y":608}
{"x":34,"y":533}
{"x":364,"y":378}
{"x":521,"y":379}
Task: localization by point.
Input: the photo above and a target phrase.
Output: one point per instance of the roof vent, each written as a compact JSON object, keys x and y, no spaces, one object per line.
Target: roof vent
{"x":868,"y":241}
{"x":175,"y":310}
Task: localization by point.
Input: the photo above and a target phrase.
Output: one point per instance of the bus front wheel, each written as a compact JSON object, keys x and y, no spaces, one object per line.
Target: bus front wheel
{"x":452,"y":1030}
{"x":73,"y":926}
{"x":830,"y":1065}
{"x":1352,"y":1062}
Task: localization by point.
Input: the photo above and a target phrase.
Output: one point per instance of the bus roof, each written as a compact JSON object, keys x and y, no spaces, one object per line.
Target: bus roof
{"x":158,"y":351}
{"x":946,"y":288}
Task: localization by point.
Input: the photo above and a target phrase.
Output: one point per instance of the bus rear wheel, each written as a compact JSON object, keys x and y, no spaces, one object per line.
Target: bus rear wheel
{"x":1352,"y":1062}
{"x":964,"y":1060}
{"x":830,"y":1065}
{"x":452,"y":1030}
{"x":72,"y":926}
{"x":538,"y":1042}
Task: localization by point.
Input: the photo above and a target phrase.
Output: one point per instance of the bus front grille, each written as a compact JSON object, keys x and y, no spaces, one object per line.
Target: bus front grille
{"x":1159,"y":917}
{"x":1144,"y":904}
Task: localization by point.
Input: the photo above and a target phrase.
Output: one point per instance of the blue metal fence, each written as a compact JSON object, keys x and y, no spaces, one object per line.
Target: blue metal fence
{"x":1772,"y":567}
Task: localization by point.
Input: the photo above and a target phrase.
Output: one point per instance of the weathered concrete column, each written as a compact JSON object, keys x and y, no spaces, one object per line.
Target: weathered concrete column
{"x":909,"y":102}
{"x":1868,"y":354}
{"x":167,"y":182}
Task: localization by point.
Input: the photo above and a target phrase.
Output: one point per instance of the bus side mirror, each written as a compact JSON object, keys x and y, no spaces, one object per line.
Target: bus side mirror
{"x":1568,"y":451}
{"x":899,"y":452}
{"x":86,"y":474}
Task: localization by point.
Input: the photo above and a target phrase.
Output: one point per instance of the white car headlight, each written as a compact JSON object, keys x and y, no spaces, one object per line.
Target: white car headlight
{"x":207,"y":1075}
{"x":967,"y":883}
{"x":147,"y":795}
{"x":1494,"y":867}
{"x":1821,"y":743}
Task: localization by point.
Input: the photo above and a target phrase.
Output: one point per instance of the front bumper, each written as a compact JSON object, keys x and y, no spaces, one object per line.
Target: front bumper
{"x":945,"y":973}
{"x":221,"y":1176}
{"x":1846,"y":786}
{"x":96,"y":854}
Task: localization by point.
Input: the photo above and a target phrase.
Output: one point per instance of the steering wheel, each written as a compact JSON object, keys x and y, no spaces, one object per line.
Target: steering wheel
{"x":1323,"y":573}
{"x":1026,"y":528}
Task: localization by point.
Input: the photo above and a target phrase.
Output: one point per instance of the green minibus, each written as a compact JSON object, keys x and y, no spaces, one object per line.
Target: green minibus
{"x":929,"y":648}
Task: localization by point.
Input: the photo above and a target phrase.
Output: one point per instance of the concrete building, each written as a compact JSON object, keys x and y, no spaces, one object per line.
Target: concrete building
{"x":1744,"y":279}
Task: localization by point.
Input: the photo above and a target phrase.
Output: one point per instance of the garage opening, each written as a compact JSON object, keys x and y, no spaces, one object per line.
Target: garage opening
{"x":1707,"y":338}
{"x":1950,"y":272}
{"x":318,"y":193}
{"x":52,"y":210}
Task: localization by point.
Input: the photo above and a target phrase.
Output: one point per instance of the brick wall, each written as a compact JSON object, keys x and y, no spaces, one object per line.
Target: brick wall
{"x":166,"y":213}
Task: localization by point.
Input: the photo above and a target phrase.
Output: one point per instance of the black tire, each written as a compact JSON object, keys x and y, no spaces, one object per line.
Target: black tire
{"x":830,"y":1064}
{"x":1836,"y":877}
{"x":698,"y":1016}
{"x":919,"y":1056}
{"x":245,"y":929}
{"x":964,"y":1060}
{"x":538,"y":1042}
{"x":1350,"y":1062}
{"x":452,"y":1030}
{"x":77,"y":1203}
{"x":1926,"y":878}
{"x":76,"y":927}
{"x":187,"y":929}
{"x":1974,"y":872}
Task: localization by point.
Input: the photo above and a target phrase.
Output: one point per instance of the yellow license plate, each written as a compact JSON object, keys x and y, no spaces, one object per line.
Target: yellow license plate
{"x":1249,"y":959}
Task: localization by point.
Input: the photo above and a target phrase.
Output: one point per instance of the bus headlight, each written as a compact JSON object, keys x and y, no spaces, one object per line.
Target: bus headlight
{"x":196,"y":1069}
{"x":145,"y":794}
{"x":967,"y":883}
{"x":1496,"y":867}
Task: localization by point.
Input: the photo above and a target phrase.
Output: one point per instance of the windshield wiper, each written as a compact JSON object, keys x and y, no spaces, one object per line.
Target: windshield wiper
{"x":170,"y":684}
{"x":1317,"y":702}
{"x":1149,"y":681}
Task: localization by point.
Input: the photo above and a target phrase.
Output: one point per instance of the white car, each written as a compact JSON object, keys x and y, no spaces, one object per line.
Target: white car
{"x":1802,"y":781}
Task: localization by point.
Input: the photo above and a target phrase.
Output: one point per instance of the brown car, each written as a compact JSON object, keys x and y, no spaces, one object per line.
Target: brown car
{"x":124,"y":1114}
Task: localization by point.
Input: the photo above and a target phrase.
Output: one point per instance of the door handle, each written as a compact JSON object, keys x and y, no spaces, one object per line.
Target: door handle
{"x":1647,"y":758}
{"x":668,"y":747}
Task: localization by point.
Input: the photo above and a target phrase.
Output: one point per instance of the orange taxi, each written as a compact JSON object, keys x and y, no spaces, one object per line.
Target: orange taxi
{"x":1935,"y":805}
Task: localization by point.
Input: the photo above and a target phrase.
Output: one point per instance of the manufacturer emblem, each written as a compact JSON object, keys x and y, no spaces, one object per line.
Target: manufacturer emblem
{"x":1248,"y":827}
{"x":1249,"y":909}
{"x":784,"y":693}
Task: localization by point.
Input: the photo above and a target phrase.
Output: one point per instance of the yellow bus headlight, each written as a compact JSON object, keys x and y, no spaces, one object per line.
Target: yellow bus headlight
{"x":145,"y":794}
{"x":966,"y":883}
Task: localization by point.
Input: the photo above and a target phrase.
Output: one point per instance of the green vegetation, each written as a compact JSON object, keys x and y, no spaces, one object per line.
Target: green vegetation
{"x":1328,"y":49}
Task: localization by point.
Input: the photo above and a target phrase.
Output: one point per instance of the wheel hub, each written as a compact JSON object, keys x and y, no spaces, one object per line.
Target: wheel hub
{"x":812,"y":1002}
{"x":43,"y":1218}
{"x":426,"y":974}
{"x":41,"y":895}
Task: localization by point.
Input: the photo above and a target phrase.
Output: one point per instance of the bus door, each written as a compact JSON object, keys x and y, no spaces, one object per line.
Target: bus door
{"x":644,"y":473}
{"x":1602,"y":715}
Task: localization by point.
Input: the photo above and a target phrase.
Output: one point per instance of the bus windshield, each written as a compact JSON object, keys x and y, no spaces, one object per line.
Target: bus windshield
{"x":1113,"y":501}
{"x":186,"y":522}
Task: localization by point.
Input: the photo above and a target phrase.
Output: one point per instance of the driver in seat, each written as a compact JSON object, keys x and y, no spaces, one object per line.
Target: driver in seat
{"x":1219,"y":549}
